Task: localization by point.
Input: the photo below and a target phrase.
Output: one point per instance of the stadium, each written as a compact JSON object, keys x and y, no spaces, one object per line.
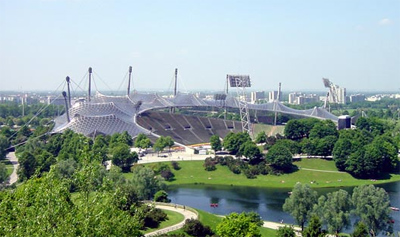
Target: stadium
{"x":153,"y":114}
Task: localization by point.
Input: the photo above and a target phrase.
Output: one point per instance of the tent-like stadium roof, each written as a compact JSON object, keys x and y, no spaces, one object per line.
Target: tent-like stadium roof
{"x":111,"y":114}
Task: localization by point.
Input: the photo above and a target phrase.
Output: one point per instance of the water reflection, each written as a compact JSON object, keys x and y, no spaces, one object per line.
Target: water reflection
{"x":265,"y":201}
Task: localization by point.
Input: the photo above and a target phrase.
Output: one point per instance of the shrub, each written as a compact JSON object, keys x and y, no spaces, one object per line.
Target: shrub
{"x":248,"y":174}
{"x":175,"y":165}
{"x":167,"y":175}
{"x":209,"y":164}
{"x":161,"y":196}
{"x":153,"y":217}
{"x":196,"y":228}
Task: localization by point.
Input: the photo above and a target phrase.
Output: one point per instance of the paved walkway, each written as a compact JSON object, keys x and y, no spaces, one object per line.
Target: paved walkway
{"x":14,"y":161}
{"x":175,"y":156}
{"x":188,"y":214}
{"x":326,"y":171}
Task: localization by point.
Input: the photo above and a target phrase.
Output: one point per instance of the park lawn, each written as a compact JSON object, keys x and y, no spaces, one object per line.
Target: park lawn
{"x":192,"y":172}
{"x":173,"y":218}
{"x":315,"y":163}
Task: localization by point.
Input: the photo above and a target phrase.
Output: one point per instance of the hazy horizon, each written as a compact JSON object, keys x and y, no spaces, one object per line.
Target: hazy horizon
{"x":356,"y":44}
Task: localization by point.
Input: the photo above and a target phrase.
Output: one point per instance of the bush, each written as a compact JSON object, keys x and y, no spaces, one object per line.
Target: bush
{"x":167,"y":175}
{"x":248,"y":174}
{"x":209,"y":164}
{"x":161,"y":196}
{"x":196,"y":228}
{"x":153,"y":217}
{"x":175,"y":165}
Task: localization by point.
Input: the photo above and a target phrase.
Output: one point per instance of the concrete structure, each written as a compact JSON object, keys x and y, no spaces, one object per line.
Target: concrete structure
{"x":272,"y":95}
{"x":257,"y":96}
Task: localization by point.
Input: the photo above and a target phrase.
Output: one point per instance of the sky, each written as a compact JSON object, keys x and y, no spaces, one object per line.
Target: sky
{"x":356,"y":43}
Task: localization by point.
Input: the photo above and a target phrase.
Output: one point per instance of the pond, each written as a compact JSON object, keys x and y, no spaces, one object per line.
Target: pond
{"x":265,"y":201}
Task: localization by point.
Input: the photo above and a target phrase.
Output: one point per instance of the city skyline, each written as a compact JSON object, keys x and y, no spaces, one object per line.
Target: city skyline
{"x":355,"y":44}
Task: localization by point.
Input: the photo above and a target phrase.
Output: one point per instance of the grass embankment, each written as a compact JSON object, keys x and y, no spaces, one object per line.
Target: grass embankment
{"x":173,"y":218}
{"x":324,"y":174}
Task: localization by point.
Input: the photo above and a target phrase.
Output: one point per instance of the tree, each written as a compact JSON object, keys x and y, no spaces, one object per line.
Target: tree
{"x":279,"y":157}
{"x":285,"y":231}
{"x":161,"y":196}
{"x":251,"y":151}
{"x":233,"y":141}
{"x":4,"y":145}
{"x":371,"y":206}
{"x":123,"y":157}
{"x":236,"y":224}
{"x":336,"y":211}
{"x":300,"y":203}
{"x":27,"y":166}
{"x":142,"y":141}
{"x":3,"y":173}
{"x":322,"y":129}
{"x":261,"y":137}
{"x":360,"y":230}
{"x":162,"y":142}
{"x":215,"y":142}
{"x":341,"y":152}
{"x":195,"y":228}
{"x":314,"y":228}
{"x":146,"y":182}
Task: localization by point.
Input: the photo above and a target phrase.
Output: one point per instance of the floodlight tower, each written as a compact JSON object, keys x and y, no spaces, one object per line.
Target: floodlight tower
{"x":129,"y":81}
{"x":241,"y":82}
{"x":90,"y":83}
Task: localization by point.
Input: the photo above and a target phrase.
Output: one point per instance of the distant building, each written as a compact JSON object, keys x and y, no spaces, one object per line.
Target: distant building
{"x":300,"y":98}
{"x":357,"y":98}
{"x":256,"y":96}
{"x":272,"y":95}
{"x":55,"y":100}
{"x":337,"y":95}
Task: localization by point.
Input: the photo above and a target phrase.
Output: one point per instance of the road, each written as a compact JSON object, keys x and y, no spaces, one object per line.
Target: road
{"x":188,"y":214}
{"x":14,"y":161}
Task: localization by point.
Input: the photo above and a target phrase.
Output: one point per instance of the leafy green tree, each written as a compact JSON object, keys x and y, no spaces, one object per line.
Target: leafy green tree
{"x":300,"y":203}
{"x":325,"y":145}
{"x":27,"y":165}
{"x":163,"y":142}
{"x":336,"y":211}
{"x":279,"y":157}
{"x":4,"y":144}
{"x":236,"y":224}
{"x":3,"y":173}
{"x":142,"y":141}
{"x":123,"y":157}
{"x":314,"y":228}
{"x":233,"y":141}
{"x":285,"y":231}
{"x":323,"y":128}
{"x":261,"y":137}
{"x":125,"y":138}
{"x":293,"y":146}
{"x":215,"y":142}
{"x":251,"y":151}
{"x":371,"y":206}
{"x":161,"y":196}
{"x":146,"y":182}
{"x":360,"y":230}
{"x":341,"y":152}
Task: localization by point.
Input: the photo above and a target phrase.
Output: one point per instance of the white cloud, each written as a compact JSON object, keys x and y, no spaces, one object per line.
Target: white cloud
{"x":385,"y":21}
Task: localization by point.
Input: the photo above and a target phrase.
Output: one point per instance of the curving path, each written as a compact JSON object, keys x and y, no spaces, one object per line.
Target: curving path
{"x":188,"y":214}
{"x":14,"y":161}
